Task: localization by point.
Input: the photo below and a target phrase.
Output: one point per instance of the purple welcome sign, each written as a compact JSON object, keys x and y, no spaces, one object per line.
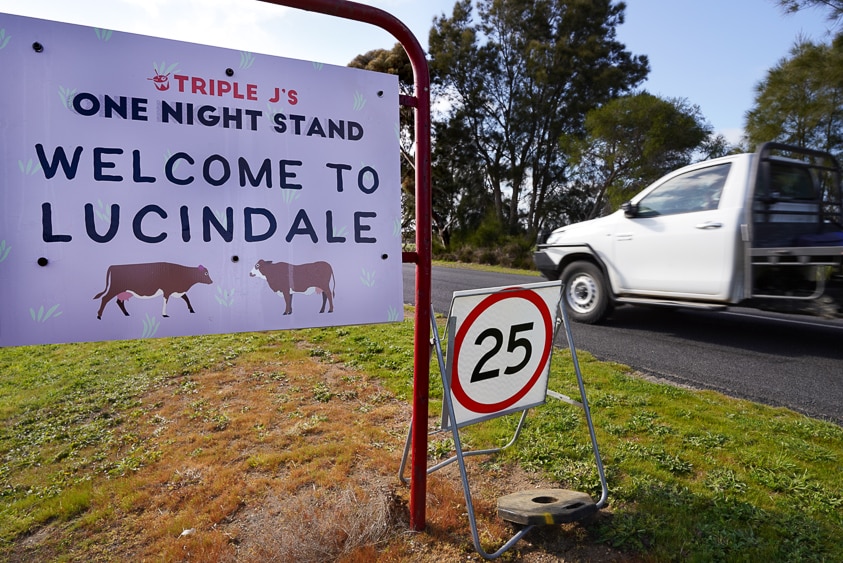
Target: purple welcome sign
{"x":159,"y":188}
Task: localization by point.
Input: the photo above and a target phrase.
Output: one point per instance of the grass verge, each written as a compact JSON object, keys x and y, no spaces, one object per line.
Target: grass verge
{"x":488,"y":268}
{"x":285,"y":445}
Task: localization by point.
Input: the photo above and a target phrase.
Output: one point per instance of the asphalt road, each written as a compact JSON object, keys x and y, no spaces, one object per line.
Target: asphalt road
{"x":780,"y":360}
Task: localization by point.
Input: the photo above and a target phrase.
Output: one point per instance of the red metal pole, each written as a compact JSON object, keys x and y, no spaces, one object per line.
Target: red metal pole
{"x":422,"y":255}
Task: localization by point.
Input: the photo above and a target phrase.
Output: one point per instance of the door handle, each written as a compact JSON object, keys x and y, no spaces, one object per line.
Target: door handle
{"x":709,"y":225}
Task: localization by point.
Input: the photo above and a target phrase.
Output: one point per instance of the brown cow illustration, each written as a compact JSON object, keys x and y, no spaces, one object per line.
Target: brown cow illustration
{"x":286,"y":279}
{"x":156,"y":279}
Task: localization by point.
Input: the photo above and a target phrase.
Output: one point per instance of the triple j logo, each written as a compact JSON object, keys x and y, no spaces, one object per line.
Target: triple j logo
{"x":162,"y":75}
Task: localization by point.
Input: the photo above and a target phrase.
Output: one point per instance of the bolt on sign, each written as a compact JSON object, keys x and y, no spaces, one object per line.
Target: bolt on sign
{"x":158,"y":188}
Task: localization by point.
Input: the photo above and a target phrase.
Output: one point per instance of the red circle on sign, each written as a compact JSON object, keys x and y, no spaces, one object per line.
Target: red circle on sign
{"x":456,"y":386}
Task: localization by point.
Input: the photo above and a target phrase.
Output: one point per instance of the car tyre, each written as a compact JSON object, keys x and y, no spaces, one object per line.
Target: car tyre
{"x":585,"y":292}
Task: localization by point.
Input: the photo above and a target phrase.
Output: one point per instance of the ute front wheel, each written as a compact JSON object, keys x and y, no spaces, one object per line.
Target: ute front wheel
{"x":585,"y":292}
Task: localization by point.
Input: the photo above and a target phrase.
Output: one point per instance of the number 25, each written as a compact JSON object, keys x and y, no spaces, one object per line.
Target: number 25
{"x":513,"y":344}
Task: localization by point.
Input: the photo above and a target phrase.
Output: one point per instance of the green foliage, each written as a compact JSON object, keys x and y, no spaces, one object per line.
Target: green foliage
{"x":631,"y":141}
{"x":834,"y":7}
{"x":490,"y":247}
{"x":460,"y":200}
{"x":800,"y":101}
{"x":488,"y":244}
{"x":393,"y":61}
{"x":489,"y":234}
{"x":322,"y":393}
{"x":516,"y":78}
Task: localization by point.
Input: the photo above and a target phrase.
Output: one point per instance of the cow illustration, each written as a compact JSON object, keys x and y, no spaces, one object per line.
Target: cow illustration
{"x":157,"y":279}
{"x":286,"y":279}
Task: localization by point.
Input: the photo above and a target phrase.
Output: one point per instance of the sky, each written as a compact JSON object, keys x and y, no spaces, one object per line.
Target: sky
{"x":710,"y":52}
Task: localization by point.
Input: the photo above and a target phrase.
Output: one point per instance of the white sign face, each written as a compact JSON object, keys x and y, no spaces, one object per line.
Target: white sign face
{"x":500,"y":348}
{"x":158,"y":188}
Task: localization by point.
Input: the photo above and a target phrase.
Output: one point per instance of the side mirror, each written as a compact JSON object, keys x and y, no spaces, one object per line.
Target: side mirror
{"x":630,"y":209}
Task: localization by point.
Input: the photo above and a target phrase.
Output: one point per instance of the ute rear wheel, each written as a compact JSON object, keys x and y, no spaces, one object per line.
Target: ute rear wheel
{"x":585,"y":292}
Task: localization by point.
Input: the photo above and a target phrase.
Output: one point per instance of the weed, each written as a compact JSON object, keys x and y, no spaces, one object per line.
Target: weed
{"x":441,"y":448}
{"x":673,"y":463}
{"x":707,"y":441}
{"x":322,"y":393}
{"x":725,"y":481}
{"x":319,"y":353}
{"x":220,"y":420}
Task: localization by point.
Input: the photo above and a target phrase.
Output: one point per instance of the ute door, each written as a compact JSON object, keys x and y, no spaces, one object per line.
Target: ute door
{"x":675,"y":241}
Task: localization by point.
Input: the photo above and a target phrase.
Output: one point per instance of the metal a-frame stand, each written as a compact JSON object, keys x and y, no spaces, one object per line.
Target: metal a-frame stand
{"x":529,"y":508}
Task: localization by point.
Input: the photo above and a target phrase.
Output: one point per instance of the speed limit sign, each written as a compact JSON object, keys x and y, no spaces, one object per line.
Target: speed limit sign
{"x":499,"y":348}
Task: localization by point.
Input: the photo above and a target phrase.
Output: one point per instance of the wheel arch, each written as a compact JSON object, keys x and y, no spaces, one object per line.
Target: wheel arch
{"x":585,"y":253}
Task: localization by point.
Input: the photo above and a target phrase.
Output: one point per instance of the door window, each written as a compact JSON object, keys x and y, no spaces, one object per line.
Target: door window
{"x":695,"y":191}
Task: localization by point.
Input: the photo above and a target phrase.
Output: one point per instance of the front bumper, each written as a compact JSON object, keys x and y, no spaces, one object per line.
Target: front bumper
{"x":545,"y":265}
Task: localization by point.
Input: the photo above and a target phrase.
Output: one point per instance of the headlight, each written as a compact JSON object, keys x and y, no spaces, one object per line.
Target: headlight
{"x":555,"y":236}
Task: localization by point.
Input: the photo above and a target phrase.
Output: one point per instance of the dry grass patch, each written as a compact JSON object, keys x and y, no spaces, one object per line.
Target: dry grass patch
{"x":314,"y":525}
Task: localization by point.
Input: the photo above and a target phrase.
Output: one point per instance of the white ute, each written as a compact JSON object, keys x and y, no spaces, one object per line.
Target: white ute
{"x":762,"y":230}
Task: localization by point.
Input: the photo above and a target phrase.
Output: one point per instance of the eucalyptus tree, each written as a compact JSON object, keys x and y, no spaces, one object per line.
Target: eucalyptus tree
{"x":631,"y":141}
{"x":800,"y":101}
{"x":460,"y":203}
{"x":516,"y":79}
{"x":834,"y":7}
